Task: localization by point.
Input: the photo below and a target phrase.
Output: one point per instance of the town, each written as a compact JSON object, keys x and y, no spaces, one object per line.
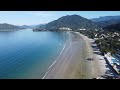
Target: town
{"x":109,"y":45}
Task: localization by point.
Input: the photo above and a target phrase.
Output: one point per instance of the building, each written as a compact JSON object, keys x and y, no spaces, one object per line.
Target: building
{"x":65,"y":28}
{"x":81,"y":29}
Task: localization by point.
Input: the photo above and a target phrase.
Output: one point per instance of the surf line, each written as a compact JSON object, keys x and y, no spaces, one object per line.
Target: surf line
{"x":55,"y":61}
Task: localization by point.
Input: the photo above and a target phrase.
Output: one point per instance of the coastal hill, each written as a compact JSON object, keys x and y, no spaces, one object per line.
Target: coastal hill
{"x":113,"y":27}
{"x":9,"y":27}
{"x":106,"y":20}
{"x":73,"y":22}
{"x":25,"y":26}
{"x":31,"y":26}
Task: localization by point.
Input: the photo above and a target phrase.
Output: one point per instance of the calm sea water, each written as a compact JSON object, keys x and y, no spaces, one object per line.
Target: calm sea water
{"x":27,"y":54}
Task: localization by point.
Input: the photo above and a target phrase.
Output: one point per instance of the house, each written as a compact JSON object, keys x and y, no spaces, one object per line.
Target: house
{"x":65,"y":28}
{"x":81,"y":29}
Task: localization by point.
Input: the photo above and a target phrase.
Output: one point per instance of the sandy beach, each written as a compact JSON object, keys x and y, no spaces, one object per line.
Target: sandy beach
{"x":72,"y":63}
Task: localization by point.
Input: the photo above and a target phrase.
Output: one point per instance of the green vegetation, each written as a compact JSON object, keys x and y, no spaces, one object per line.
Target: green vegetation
{"x":9,"y":27}
{"x":107,"y":41}
{"x":106,"y":20}
{"x":113,"y":27}
{"x":73,"y":22}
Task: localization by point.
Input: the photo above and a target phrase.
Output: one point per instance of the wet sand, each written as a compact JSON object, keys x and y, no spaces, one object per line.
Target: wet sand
{"x":72,"y":63}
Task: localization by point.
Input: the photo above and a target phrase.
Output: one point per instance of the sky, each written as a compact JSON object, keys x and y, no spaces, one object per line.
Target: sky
{"x":42,"y":17}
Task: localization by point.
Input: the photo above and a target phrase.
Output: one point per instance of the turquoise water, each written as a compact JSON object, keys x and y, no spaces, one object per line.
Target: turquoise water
{"x":27,"y":54}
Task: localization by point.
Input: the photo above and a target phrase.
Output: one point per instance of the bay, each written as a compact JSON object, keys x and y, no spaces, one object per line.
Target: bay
{"x":25,"y":54}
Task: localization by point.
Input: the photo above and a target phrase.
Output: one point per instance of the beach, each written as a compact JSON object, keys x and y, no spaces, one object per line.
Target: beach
{"x":72,"y":62}
{"x":97,"y":67}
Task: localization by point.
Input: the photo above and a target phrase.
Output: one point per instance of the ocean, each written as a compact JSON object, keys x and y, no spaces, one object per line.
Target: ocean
{"x":25,"y":54}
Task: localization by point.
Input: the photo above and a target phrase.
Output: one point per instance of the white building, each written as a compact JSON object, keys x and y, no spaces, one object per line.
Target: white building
{"x":82,"y":29}
{"x":65,"y":28}
{"x":96,"y":30}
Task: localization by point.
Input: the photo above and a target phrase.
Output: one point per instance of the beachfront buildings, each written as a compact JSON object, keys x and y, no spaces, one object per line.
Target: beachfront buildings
{"x":81,"y":29}
{"x":65,"y":28}
{"x":114,"y":62}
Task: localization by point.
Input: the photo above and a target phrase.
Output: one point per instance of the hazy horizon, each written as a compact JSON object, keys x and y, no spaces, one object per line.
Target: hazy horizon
{"x":42,"y":17}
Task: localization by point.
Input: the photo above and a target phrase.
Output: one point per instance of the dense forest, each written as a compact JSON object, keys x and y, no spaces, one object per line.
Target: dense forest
{"x":113,"y":27}
{"x":106,"y":20}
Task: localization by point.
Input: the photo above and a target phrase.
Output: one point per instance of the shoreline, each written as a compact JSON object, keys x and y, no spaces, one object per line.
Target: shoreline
{"x":98,"y":66}
{"x":71,"y":62}
{"x":54,"y":61}
{"x":55,"y":64}
{"x":56,"y":58}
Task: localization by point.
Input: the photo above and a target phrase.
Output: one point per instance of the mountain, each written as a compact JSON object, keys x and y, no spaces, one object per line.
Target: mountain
{"x":31,"y":26}
{"x":104,"y":18}
{"x":8,"y":27}
{"x":24,"y":26}
{"x":70,"y":21}
{"x":39,"y":26}
{"x":113,"y":27}
{"x":108,"y":22}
